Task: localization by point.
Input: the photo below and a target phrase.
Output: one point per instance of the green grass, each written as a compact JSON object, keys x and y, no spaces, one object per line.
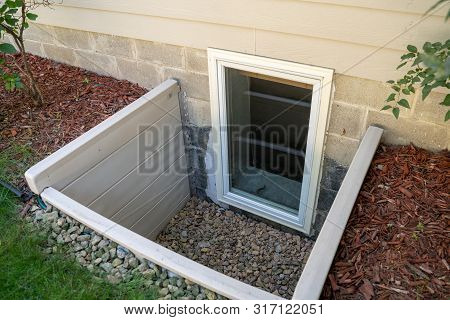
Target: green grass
{"x":14,"y":161}
{"x":26,"y":272}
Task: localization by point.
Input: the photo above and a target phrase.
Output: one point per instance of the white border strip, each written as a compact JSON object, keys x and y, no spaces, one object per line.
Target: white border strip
{"x":187,"y":268}
{"x":318,"y":265}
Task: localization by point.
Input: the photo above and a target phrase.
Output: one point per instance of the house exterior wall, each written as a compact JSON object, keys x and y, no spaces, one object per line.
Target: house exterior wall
{"x":355,"y":104}
{"x":149,"y":41}
{"x":360,"y":38}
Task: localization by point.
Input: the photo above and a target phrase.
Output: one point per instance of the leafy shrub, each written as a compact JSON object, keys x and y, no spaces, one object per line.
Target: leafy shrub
{"x":14,"y":20}
{"x":429,"y":69}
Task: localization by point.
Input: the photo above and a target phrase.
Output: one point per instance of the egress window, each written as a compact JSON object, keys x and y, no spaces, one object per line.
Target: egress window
{"x":269,"y":120}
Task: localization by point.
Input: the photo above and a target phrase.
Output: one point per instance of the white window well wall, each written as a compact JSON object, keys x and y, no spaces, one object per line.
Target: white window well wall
{"x":269,"y":120}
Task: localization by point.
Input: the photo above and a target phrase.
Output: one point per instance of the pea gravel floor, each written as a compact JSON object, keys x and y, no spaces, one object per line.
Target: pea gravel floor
{"x":238,"y":246}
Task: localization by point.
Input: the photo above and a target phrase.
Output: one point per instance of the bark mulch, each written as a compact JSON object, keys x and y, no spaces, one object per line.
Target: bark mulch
{"x":76,"y":100}
{"x":396,"y":244}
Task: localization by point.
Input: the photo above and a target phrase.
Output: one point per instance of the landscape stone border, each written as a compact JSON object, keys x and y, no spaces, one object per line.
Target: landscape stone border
{"x":106,"y":258}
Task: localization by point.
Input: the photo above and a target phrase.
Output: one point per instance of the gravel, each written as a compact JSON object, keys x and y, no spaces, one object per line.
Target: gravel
{"x":108,"y":259}
{"x":231,"y":243}
{"x":238,"y":246}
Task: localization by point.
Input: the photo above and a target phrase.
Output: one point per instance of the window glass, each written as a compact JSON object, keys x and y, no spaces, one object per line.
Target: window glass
{"x":267,"y":132}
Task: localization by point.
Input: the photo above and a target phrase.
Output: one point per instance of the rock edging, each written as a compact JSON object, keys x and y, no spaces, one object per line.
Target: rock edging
{"x":110,"y":260}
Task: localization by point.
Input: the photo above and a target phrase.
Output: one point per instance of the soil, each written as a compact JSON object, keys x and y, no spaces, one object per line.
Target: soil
{"x":238,"y":246}
{"x":396,"y":244}
{"x":75,"y":101}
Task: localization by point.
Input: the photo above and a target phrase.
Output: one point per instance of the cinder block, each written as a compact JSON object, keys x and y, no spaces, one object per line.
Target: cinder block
{"x":195,"y":85}
{"x":430,"y":109}
{"x":75,"y":39}
{"x":199,"y":112}
{"x":142,"y":73}
{"x":196,"y":60}
{"x":114,"y":45}
{"x":159,"y":53}
{"x":341,"y":149}
{"x":404,"y":131}
{"x":128,"y":69}
{"x":361,"y":92}
{"x":149,"y":75}
{"x":41,"y":33}
{"x":34,"y":47}
{"x":60,"y":54}
{"x":326,"y":198}
{"x":332,"y":174}
{"x":346,"y":121}
{"x":98,"y":63}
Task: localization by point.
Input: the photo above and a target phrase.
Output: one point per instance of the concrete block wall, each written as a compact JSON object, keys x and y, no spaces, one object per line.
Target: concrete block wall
{"x":356,"y":105}
{"x":356,"y":102}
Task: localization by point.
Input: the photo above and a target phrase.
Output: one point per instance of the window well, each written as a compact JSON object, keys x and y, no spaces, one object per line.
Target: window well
{"x":269,"y":119}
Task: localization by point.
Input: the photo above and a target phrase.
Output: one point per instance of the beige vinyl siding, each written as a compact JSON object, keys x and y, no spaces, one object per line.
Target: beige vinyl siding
{"x":336,"y":34}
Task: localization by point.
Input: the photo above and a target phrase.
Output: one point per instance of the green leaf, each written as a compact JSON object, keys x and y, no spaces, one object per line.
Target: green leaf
{"x":11,"y":11}
{"x":386,"y":107}
{"x":446,"y":101}
{"x":404,"y":103}
{"x":10,"y":83}
{"x":428,"y":79}
{"x":32,"y":16}
{"x":396,"y":88}
{"x":408,"y":56}
{"x":406,"y":91}
{"x":402,"y":64}
{"x":447,"y":115}
{"x":7,"y":48}
{"x":391,"y":97}
{"x":417,"y":61}
{"x":422,"y":74}
{"x":437,"y":45}
{"x":390,"y":81}
{"x":11,"y":21}
{"x":411,"y":48}
{"x":10,"y":3}
{"x":440,"y":83}
{"x":19,"y":3}
{"x":428,"y":48}
{"x":426,"y":91}
{"x":19,"y":84}
{"x":396,"y":112}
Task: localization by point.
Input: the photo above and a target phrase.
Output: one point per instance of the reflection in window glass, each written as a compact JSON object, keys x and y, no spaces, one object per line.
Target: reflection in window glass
{"x":267,"y":132}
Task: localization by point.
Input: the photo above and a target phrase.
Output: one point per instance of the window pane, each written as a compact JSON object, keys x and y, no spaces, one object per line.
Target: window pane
{"x":267,"y":131}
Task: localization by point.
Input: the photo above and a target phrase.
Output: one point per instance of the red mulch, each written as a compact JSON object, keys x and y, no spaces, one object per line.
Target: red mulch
{"x":396,"y":244}
{"x":76,"y":100}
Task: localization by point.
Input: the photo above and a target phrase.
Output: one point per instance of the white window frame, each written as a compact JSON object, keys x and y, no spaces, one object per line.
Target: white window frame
{"x":321,"y":80}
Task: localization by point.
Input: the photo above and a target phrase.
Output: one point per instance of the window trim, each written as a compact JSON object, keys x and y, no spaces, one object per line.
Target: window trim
{"x":321,"y":80}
